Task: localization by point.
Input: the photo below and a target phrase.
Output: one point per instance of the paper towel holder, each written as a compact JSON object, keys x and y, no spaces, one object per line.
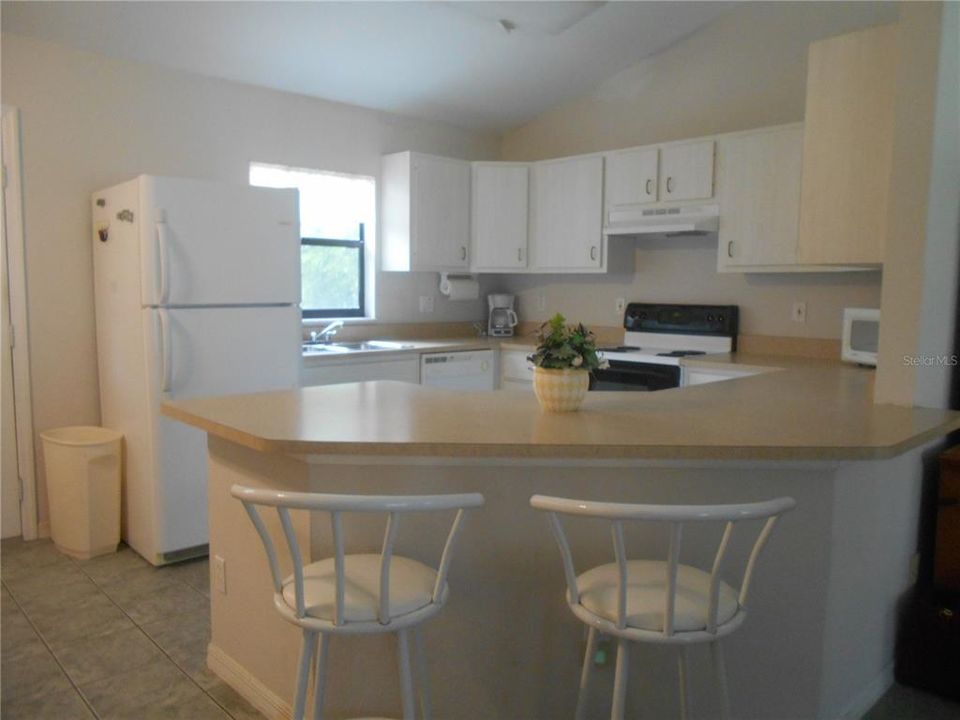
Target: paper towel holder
{"x":445,"y":277}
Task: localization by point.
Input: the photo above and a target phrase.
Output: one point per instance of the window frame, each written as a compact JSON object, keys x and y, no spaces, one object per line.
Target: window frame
{"x":360,"y":246}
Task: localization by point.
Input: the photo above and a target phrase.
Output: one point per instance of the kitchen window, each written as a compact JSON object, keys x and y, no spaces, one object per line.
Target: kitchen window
{"x":337,"y":214}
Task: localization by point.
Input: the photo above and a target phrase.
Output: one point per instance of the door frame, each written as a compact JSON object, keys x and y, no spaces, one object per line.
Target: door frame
{"x":17,"y":287}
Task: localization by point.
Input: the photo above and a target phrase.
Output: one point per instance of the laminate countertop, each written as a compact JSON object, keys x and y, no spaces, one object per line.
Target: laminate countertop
{"x":797,"y":409}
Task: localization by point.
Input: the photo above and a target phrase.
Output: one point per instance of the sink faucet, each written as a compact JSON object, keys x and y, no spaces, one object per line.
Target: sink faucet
{"x":326,"y":335}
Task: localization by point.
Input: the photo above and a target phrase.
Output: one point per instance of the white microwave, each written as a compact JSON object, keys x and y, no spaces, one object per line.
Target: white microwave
{"x":861,"y":335}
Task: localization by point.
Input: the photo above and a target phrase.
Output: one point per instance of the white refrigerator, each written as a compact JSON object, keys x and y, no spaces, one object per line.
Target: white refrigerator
{"x":197,"y":290}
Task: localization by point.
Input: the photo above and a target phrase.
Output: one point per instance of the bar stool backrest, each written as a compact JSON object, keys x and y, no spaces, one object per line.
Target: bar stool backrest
{"x":335,"y":505}
{"x":675,"y":516}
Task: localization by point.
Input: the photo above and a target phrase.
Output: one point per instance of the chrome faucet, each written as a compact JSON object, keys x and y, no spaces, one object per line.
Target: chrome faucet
{"x":326,"y":335}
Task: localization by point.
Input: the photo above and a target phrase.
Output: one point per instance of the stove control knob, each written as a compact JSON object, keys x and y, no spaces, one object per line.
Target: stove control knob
{"x":709,"y":318}
{"x":720,"y":318}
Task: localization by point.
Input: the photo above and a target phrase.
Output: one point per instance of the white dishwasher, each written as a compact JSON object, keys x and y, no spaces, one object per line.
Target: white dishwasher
{"x":463,"y":370}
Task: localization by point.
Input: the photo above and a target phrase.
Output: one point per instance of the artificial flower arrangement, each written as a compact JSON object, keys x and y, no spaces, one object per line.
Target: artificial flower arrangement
{"x":565,"y":356}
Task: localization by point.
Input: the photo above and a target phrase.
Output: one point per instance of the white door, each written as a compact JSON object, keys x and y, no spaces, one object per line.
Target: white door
{"x":568,"y":214}
{"x":206,"y":243}
{"x":631,"y":177}
{"x":499,"y":216}
{"x":441,"y":213}
{"x":10,"y":480}
{"x":686,"y":171}
{"x":207,"y":351}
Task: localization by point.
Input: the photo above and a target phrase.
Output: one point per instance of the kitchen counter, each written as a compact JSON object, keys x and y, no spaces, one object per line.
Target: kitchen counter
{"x":819,"y":639}
{"x":410,"y":347}
{"x":801,"y":409}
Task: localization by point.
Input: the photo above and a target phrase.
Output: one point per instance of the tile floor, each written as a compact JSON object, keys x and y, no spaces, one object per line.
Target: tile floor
{"x":117,"y":639}
{"x":111,"y":638}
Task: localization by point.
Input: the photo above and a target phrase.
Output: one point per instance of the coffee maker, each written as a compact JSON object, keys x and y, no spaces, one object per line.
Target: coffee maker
{"x":502,"y":318}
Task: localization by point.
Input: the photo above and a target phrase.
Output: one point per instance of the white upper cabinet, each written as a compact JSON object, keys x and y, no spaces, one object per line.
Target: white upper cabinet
{"x":499,"y":216}
{"x":758,"y":190}
{"x":567,"y":215}
{"x":848,"y":147}
{"x":686,"y":171}
{"x":631,"y":177}
{"x":425,"y":212}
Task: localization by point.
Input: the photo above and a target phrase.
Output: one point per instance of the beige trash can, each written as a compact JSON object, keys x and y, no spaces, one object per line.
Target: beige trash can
{"x":83,"y":487}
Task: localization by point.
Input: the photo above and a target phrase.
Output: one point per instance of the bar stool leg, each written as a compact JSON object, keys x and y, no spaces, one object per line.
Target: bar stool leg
{"x":423,"y":678}
{"x":303,"y":672}
{"x":320,"y":677}
{"x":720,"y":673}
{"x":684,"y":683}
{"x":620,"y":680}
{"x":583,"y":693}
{"x":406,"y":684}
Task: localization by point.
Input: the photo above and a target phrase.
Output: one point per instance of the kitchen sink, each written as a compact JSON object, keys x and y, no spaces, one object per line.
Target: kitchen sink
{"x":348,"y":347}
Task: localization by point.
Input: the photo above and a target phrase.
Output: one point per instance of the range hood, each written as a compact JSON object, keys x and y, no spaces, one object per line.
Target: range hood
{"x":680,"y":220}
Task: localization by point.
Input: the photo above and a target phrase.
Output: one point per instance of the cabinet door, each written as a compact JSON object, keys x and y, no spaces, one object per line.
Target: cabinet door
{"x":568,"y":214}
{"x":848,"y":145}
{"x":440,"y":205}
{"x":686,"y":171}
{"x":758,"y":189}
{"x":405,"y":369}
{"x":630,"y":177}
{"x":499,"y":216}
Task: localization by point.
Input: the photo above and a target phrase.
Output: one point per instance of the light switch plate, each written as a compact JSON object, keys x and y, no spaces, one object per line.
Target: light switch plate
{"x":426,"y":303}
{"x":220,"y":574}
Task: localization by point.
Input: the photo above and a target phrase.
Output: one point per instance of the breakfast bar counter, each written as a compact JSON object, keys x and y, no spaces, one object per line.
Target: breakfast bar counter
{"x":793,"y":409}
{"x":818,"y":642}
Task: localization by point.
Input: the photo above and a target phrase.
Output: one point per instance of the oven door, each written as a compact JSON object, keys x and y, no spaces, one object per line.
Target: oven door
{"x":638,"y":377}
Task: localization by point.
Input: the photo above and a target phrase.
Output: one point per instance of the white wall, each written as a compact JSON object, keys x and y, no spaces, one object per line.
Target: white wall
{"x":746,"y":70}
{"x":89,"y":122}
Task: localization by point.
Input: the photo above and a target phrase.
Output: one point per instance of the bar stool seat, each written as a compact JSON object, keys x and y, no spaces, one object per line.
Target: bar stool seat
{"x":356,"y":593}
{"x":411,"y":588}
{"x":654,"y":601}
{"x":646,"y":585}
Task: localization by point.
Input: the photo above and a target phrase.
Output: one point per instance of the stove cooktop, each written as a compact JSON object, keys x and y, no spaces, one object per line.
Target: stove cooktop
{"x":682,"y":353}
{"x":620,"y":348}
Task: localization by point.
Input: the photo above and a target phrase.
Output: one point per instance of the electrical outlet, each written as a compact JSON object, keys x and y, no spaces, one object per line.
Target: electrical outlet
{"x":541,"y":302}
{"x":799,"y":313}
{"x":620,"y":306}
{"x":426,"y":303}
{"x":220,"y":574}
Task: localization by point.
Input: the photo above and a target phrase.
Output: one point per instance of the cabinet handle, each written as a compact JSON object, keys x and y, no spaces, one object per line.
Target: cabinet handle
{"x":730,"y":249}
{"x":669,"y":184}
{"x":593,"y":252}
{"x":520,"y":254}
{"x":649,"y":186}
{"x":463,"y":252}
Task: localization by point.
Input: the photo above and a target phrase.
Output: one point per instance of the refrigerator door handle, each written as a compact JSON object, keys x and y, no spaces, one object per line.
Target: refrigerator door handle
{"x":166,"y":351}
{"x":162,"y":243}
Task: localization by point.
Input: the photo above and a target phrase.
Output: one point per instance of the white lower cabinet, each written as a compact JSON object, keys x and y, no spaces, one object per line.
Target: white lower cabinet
{"x":326,"y":371}
{"x":516,"y":372}
{"x":700,"y":376}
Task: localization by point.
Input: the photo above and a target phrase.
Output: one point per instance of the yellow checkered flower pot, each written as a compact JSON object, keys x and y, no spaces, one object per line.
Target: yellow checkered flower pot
{"x":560,"y":390}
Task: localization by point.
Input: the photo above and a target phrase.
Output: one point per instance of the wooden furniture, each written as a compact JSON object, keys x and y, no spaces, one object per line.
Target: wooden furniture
{"x":356,"y":594}
{"x":847,"y":147}
{"x":499,"y":218}
{"x":425,"y":212}
{"x":946,"y":561}
{"x":567,"y":215}
{"x":655,"y":601}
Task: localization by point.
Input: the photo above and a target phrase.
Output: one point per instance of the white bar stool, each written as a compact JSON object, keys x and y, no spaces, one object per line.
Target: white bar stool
{"x":357,"y":594}
{"x":655,"y":601}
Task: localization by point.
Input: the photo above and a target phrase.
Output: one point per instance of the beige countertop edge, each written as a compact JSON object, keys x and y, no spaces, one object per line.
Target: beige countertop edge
{"x":547,"y":451}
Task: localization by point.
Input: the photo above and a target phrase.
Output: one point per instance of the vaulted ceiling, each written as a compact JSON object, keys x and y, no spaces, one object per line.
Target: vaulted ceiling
{"x":480,"y":65}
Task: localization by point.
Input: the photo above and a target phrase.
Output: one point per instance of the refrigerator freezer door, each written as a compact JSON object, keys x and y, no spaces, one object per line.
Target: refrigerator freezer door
{"x":207,"y":351}
{"x":206,"y":243}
